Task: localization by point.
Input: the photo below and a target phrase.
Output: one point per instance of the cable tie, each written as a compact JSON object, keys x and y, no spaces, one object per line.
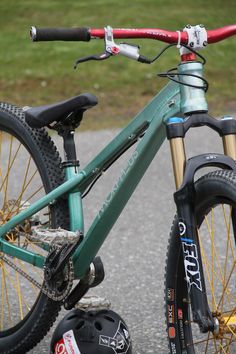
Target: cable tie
{"x":179,"y":40}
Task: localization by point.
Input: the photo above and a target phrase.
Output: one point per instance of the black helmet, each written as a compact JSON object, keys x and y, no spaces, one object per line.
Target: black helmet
{"x":91,"y":332}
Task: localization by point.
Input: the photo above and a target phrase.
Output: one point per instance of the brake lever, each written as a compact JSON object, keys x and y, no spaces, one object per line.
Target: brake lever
{"x":102,"y":56}
{"x":111,"y":48}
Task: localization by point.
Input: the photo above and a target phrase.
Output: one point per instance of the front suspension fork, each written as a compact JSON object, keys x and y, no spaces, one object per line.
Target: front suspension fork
{"x":184,"y":173}
{"x":185,"y":203}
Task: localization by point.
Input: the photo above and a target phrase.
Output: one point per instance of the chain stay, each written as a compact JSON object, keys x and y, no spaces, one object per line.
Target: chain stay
{"x":47,"y":238}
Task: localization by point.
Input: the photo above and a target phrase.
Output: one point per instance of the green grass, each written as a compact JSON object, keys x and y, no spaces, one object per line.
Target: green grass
{"x":39,"y":73}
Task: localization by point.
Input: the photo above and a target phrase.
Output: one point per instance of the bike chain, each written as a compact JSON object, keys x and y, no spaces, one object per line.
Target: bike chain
{"x":49,"y":293}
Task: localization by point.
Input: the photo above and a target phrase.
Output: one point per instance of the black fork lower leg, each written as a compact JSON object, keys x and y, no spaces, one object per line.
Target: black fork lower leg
{"x":192,"y":259}
{"x":185,"y":202}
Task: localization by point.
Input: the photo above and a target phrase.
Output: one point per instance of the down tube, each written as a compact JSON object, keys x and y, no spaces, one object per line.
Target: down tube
{"x":123,"y":189}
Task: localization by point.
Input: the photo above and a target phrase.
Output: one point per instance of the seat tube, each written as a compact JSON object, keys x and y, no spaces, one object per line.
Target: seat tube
{"x":71,"y":166}
{"x":75,"y":203}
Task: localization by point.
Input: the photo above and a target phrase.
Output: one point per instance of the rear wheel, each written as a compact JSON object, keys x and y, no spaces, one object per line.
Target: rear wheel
{"x":216,"y":219}
{"x":29,"y":168}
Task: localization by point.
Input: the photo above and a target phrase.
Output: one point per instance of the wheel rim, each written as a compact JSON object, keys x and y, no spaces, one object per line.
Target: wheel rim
{"x":217,"y":244}
{"x":20,"y":185}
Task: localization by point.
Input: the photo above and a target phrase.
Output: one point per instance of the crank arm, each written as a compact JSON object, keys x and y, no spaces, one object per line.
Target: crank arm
{"x":57,"y":259}
{"x":92,"y":278}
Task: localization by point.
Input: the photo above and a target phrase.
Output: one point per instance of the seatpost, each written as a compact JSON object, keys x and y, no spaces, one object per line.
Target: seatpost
{"x":69,"y":147}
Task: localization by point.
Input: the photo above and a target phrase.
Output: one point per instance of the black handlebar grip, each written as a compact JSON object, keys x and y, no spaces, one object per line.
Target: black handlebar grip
{"x":60,"y":34}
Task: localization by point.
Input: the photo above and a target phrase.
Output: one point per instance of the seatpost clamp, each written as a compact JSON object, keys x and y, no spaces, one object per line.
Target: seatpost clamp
{"x":197,"y":38}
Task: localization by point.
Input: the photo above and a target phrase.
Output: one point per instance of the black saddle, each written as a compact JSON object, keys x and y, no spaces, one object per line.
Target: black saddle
{"x":38,"y":117}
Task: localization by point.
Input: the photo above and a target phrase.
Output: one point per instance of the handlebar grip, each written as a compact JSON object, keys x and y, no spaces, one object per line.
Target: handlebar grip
{"x":60,"y":34}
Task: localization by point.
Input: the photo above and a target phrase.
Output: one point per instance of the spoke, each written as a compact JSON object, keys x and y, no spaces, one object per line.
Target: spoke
{"x":230,"y":240}
{"x":230,"y":341}
{"x":232,"y":332}
{"x":6,"y":292}
{"x":224,"y":290}
{"x":1,"y":155}
{"x":233,"y":312}
{"x":35,"y":289}
{"x":213,"y":258}
{"x":18,"y":200}
{"x":219,"y":269}
{"x":207,"y":342}
{"x":19,"y":293}
{"x":32,"y":195}
{"x":215,"y":344}
{"x":2,"y":305}
{"x":26,"y":173}
{"x":31,"y":243}
{"x":218,"y":343}
{"x":227,"y":251}
{"x":207,"y":267}
{"x":222,"y":347}
{"x":217,"y":261}
{"x":205,"y":260}
{"x":213,"y":246}
{"x":36,"y":245}
{"x":15,"y":287}
{"x":9,"y":168}
{"x":202,"y":340}
{"x":7,"y":175}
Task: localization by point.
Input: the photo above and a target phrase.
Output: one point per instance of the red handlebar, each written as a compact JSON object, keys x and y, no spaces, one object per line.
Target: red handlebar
{"x":153,"y":33}
{"x":213,"y":36}
{"x":220,"y":34}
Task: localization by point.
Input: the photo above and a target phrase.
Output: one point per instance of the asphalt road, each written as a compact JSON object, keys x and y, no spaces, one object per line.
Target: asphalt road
{"x":134,"y":252}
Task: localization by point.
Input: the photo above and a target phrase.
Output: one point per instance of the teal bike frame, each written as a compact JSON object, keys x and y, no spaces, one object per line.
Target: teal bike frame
{"x":149,"y":124}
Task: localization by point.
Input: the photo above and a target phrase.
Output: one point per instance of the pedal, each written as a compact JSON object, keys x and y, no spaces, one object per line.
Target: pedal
{"x":92,"y":278}
{"x":93,"y":303}
{"x":50,"y":237}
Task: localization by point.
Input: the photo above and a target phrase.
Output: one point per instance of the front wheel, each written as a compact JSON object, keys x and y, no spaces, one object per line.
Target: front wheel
{"x":216,"y":219}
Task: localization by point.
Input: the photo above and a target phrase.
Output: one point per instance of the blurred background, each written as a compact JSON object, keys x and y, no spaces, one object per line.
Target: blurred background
{"x":41,"y":73}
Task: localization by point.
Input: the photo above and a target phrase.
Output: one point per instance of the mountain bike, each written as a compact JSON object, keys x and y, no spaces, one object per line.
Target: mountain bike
{"x":47,"y":259}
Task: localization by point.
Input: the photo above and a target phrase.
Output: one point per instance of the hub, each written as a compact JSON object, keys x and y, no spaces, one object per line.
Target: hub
{"x":224,"y":324}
